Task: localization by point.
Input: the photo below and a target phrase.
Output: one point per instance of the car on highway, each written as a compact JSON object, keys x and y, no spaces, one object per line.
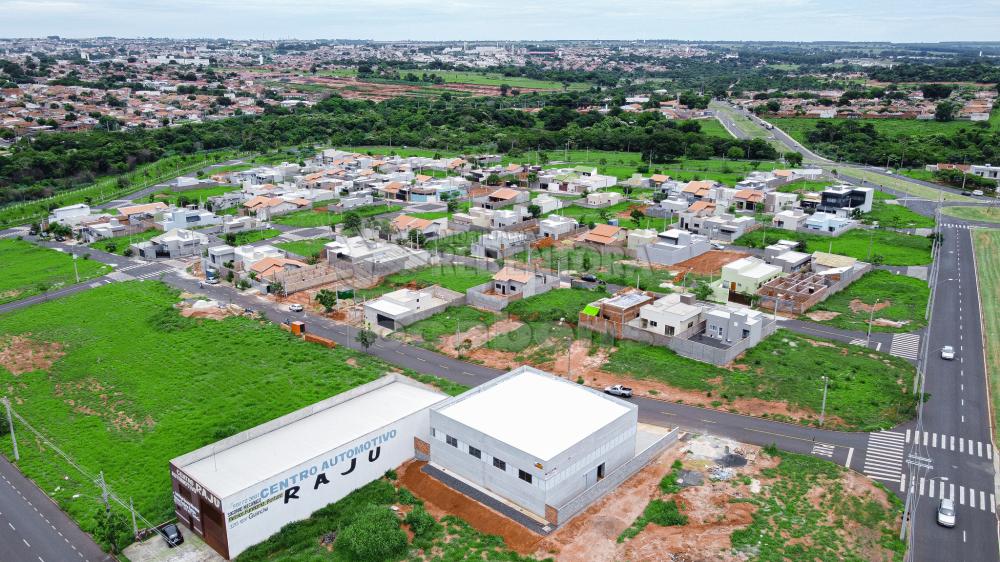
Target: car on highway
{"x":295,"y":307}
{"x":946,"y":513}
{"x":619,"y":391}
{"x":966,"y":193}
{"x":977,"y":192}
{"x":172,"y":534}
{"x":948,"y":352}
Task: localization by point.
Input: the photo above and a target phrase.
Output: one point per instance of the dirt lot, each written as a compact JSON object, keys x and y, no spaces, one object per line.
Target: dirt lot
{"x":709,"y":263}
{"x":440,"y":500}
{"x":22,"y":354}
{"x":477,"y":336}
{"x":353,"y":88}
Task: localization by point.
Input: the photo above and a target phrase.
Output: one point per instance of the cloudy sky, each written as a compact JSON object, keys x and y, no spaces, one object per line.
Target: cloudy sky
{"x":788,"y":20}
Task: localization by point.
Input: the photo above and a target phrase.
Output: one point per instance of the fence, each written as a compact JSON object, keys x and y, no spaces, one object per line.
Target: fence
{"x":567,"y":510}
{"x":708,"y":353}
{"x":479,"y":297}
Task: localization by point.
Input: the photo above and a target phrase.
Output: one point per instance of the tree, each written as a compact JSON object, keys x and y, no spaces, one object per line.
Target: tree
{"x":793,"y":158}
{"x":416,"y":237}
{"x":352,"y":221}
{"x":111,"y":527}
{"x":585,"y":264}
{"x":327,"y":299}
{"x":535,"y":210}
{"x":452,"y":205}
{"x":373,"y":536}
{"x":637,"y":215}
{"x":702,"y":291}
{"x":493,"y":179}
{"x":734,"y":153}
{"x":945,"y":111}
{"x":936,"y":91}
{"x":366,"y":338}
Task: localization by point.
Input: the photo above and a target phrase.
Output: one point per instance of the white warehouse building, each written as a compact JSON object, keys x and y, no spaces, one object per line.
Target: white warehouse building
{"x":239,"y":491}
{"x":546,"y":444}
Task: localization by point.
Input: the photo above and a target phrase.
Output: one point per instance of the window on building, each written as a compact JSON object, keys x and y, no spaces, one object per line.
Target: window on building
{"x":499,"y":464}
{"x":475,"y":452}
{"x":433,"y":432}
{"x":524,"y":476}
{"x":451,"y":440}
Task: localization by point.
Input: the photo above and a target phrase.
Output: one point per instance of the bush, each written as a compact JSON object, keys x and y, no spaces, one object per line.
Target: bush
{"x":373,"y":535}
{"x":425,"y":528}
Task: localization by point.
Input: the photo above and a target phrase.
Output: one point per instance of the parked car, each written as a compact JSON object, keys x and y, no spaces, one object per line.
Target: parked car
{"x":295,"y":307}
{"x":948,"y":352}
{"x":946,"y":513}
{"x":619,"y":390}
{"x":978,"y":192}
{"x":212,"y":281}
{"x":718,"y":246}
{"x":589,"y":277}
{"x":172,"y":534}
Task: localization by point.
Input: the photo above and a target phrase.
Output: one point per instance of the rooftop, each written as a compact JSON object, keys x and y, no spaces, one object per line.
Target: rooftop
{"x":552,"y":414}
{"x":249,"y":458}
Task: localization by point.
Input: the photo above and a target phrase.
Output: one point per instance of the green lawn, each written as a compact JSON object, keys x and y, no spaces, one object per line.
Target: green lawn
{"x":541,"y":315}
{"x":496,"y":79}
{"x":868,"y":391}
{"x":454,"y":277}
{"x":797,"y":128}
{"x":251,"y":236}
{"x":314,"y":218}
{"x":452,"y":320}
{"x":29,"y":270}
{"x":122,"y":243}
{"x":459,"y":244}
{"x":805,"y":186}
{"x":448,"y":538}
{"x":199,"y":195}
{"x":140,"y":385}
{"x":987,"y":247}
{"x":892,"y":247}
{"x":903,"y":184}
{"x":907,"y":298}
{"x":304,"y":248}
{"x":982,"y":214}
{"x":896,"y":216}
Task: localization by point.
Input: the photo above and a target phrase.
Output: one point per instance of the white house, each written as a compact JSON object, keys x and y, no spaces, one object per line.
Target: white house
{"x":673,"y":246}
{"x":70,"y":215}
{"x":172,"y":244}
{"x":187,"y":218}
{"x":249,"y":255}
{"x":556,"y":226}
{"x":828,"y":223}
{"x":789,"y":219}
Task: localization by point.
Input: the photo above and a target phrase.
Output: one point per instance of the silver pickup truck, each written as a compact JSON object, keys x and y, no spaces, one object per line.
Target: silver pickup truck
{"x":619,"y":391}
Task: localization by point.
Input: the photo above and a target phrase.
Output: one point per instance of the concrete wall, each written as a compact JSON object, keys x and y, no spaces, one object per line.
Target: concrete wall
{"x":613,"y":479}
{"x":719,"y":356}
{"x":310,"y":276}
{"x":477,"y":297}
{"x":788,"y":305}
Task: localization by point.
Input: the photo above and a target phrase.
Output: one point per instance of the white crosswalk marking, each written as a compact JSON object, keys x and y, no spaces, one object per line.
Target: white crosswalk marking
{"x":931,"y":439}
{"x":858,"y":341}
{"x":884,"y":455}
{"x":906,"y":346}
{"x":823,"y":449}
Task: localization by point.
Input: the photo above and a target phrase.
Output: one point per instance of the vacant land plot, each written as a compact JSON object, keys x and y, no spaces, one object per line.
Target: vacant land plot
{"x":884,"y":246}
{"x":893,"y":303}
{"x":454,"y":277}
{"x":459,"y":244}
{"x":987,"y":246}
{"x":139,"y":384}
{"x":891,"y":215}
{"x":867,"y":390}
{"x":904,"y":185}
{"x":982,"y":214}
{"x":199,"y":195}
{"x":805,"y":186}
{"x":798,"y":128}
{"x":121,"y":244}
{"x":322,"y":217}
{"x":454,"y":320}
{"x":251,"y":236}
{"x":304,"y":248}
{"x":29,"y":269}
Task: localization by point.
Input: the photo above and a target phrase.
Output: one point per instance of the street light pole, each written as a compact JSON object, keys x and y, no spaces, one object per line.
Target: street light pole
{"x":871,"y":317}
{"x":822,"y":412}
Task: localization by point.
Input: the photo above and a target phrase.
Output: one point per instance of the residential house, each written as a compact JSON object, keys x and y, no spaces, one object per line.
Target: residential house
{"x":357,"y":199}
{"x":217,"y":258}
{"x":605,"y":235}
{"x":266,"y":208}
{"x":604,"y":198}
{"x":748,"y":199}
{"x":187,"y":218}
{"x":505,"y":218}
{"x":731,"y":325}
{"x":175,"y":243}
{"x":789,"y":219}
{"x":70,"y":215}
{"x":988,"y":171}
{"x":609,"y":314}
{"x":744,"y":276}
{"x":545,"y":202}
{"x":246,"y":256}
{"x":697,"y":190}
{"x":828,"y":223}
{"x":675,"y":315}
{"x":140,"y":213}
{"x":673,"y":246}
{"x":823,"y":262}
{"x":557,"y":227}
{"x":373,"y":258}
{"x":846,"y":200}
{"x":500,"y":244}
{"x":232,"y":224}
{"x":504,"y":197}
{"x":641,"y":237}
{"x":403,"y":307}
{"x":718,"y":227}
{"x":477,"y":217}
{"x":521,"y":283}
{"x":402,"y":225}
{"x":776,"y":201}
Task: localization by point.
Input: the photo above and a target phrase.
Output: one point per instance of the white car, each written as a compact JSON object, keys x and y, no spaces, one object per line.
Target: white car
{"x":977,"y":192}
{"x":948,"y":352}
{"x":295,"y":307}
{"x":946,"y":513}
{"x":718,"y":246}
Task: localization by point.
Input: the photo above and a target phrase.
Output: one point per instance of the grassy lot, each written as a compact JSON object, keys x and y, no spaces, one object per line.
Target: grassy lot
{"x":805,"y":186}
{"x":139,"y":385}
{"x":304,"y":248}
{"x":896,"y":216}
{"x":200,"y":195}
{"x":987,"y":247}
{"x":797,"y":128}
{"x":541,"y":315}
{"x":792,"y":522}
{"x":120,"y":244}
{"x":251,"y":236}
{"x":449,"y":322}
{"x":29,"y":270}
{"x":454,"y":277}
{"x":313,"y":218}
{"x":904,"y":185}
{"x":459,"y":244}
{"x":983,"y":214}
{"x":368,"y":508}
{"x":867,"y":391}
{"x":907,"y":298}
{"x":894,"y":248}
{"x":496,"y":79}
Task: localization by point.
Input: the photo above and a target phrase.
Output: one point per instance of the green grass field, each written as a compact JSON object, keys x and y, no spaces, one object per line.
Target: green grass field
{"x":867,"y":391}
{"x":314,"y":218}
{"x":894,"y":248}
{"x":896,"y":216}
{"x":139,"y":385}
{"x":805,"y":186}
{"x":455,"y":277}
{"x":448,"y":322}
{"x":496,"y":79}
{"x":902,"y":184}
{"x":906,"y":298}
{"x":459,"y":244}
{"x":251,"y":236}
{"x":199,"y":195}
{"x":122,"y":243}
{"x":982,"y":214}
{"x":304,"y":248}
{"x":29,"y":270}
{"x":987,"y":247}
{"x":797,"y":128}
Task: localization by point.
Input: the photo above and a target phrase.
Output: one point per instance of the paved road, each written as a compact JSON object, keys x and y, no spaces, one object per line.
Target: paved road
{"x":34,"y":529}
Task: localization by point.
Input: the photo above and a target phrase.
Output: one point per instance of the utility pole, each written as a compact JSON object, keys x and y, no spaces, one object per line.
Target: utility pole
{"x":75,"y":270}
{"x":104,"y":491}
{"x":871,"y":317}
{"x":822,"y":411}
{"x":131,"y":509}
{"x":10,"y":424}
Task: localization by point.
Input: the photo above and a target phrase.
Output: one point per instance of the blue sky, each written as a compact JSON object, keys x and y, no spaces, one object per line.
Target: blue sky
{"x":788,"y":20}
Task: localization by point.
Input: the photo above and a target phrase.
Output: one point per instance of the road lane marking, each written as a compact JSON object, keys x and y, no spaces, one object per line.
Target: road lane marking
{"x":850,"y":454}
{"x":26,"y":543}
